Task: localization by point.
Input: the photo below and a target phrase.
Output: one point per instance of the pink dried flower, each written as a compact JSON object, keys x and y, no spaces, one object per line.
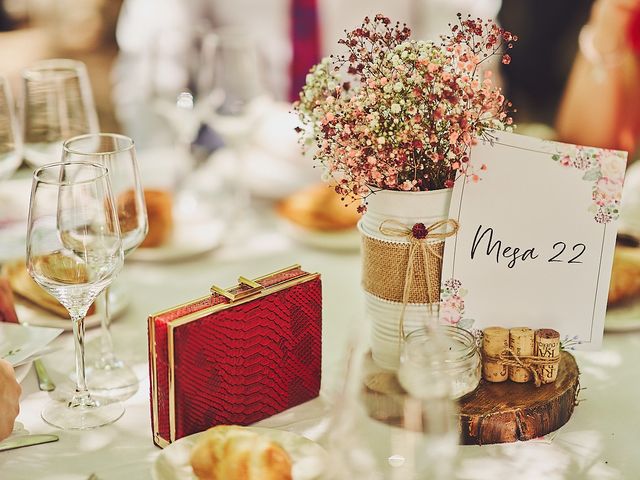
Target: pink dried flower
{"x":409,"y":110}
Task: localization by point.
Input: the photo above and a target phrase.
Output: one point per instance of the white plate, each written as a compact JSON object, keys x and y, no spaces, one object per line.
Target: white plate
{"x":30,"y":314}
{"x":307,"y":456}
{"x":624,"y":318}
{"x":189,"y":239}
{"x":344,"y":240}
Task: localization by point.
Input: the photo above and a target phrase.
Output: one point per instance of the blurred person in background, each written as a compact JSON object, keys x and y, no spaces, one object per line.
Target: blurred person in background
{"x":601,"y":104}
{"x":541,"y":61}
{"x":6,"y":22}
{"x":157,"y":37}
{"x":10,"y":391}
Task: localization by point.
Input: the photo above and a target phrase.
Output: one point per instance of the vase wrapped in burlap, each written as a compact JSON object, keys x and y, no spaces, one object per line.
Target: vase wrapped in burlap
{"x":403,"y":237}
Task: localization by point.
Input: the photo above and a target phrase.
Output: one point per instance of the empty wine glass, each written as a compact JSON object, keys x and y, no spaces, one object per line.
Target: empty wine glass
{"x":231,"y":73}
{"x":74,"y":251}
{"x":378,"y":431}
{"x":57,"y":104}
{"x":236,"y":102}
{"x":109,"y":375}
{"x":10,"y":146}
{"x":12,"y":217}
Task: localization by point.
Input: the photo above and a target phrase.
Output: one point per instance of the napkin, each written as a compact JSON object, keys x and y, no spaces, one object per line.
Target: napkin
{"x":19,"y":343}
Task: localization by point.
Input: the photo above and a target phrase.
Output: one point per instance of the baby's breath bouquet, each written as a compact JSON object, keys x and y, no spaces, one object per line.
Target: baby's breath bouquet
{"x":399,"y":114}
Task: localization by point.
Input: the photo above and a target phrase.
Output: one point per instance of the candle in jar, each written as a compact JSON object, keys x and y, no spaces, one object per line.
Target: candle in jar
{"x":448,"y":361}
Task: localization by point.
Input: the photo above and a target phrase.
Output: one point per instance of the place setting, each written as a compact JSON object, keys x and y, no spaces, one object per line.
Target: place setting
{"x":184,"y":223}
{"x":22,"y":346}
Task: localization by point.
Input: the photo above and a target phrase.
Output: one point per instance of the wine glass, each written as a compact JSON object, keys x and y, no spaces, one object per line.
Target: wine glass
{"x":74,"y":251}
{"x":236,"y":102}
{"x":110,"y":376}
{"x":10,"y":145}
{"x":11,"y":218}
{"x":230,"y":58}
{"x":57,"y":104}
{"x":377,"y":431}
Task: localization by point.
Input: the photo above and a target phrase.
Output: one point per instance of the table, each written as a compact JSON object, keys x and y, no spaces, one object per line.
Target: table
{"x":599,"y":442}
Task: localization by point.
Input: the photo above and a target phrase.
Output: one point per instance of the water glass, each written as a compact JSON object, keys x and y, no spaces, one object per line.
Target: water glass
{"x":379,"y":432}
{"x":57,"y":104}
{"x":109,"y":375}
{"x":10,"y":145}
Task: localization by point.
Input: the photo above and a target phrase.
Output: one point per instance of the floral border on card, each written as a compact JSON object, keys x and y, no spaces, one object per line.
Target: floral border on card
{"x":451,"y":311}
{"x":605,"y":168}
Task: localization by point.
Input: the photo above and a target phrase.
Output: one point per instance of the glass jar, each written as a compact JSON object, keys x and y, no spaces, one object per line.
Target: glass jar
{"x":439,"y":361}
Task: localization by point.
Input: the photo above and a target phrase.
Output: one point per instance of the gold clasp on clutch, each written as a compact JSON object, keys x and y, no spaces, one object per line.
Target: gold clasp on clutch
{"x":236,"y":293}
{"x":254,"y":287}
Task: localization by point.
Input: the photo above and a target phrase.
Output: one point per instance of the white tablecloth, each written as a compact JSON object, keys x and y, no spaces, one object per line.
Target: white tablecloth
{"x":599,"y":442}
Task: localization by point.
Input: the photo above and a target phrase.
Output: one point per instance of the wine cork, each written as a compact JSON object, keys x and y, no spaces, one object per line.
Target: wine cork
{"x":547,"y":344}
{"x":521,"y":342}
{"x":495,"y":340}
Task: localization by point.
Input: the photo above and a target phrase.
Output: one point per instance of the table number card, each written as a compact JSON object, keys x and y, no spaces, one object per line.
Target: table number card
{"x":536,"y":238}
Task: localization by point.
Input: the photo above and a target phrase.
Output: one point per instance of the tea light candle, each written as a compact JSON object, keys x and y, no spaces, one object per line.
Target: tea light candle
{"x":440,"y":363}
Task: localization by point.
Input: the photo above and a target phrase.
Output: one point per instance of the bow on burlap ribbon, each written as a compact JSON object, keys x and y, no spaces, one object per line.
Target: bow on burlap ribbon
{"x":528,"y":362}
{"x":419,"y":237}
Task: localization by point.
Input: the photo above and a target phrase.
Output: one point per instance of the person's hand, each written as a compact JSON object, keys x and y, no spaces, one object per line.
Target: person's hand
{"x":10,"y":391}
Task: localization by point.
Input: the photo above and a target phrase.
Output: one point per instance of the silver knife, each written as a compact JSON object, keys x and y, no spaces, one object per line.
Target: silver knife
{"x":26,"y":441}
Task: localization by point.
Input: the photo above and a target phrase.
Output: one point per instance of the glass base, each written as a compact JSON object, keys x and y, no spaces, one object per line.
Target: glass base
{"x":112,"y":378}
{"x":84,"y":416}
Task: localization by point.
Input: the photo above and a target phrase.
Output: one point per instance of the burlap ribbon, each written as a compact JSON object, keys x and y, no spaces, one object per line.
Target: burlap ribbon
{"x":532,"y":363}
{"x":384,"y":265}
{"x":420,"y":238}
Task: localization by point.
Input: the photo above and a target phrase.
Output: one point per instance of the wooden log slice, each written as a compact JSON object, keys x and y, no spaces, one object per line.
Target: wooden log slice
{"x":506,"y":412}
{"x":494,"y":412}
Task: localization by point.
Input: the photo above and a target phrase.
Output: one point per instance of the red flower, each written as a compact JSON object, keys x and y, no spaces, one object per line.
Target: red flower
{"x":419,"y":231}
{"x":633,"y":31}
{"x":506,"y":59}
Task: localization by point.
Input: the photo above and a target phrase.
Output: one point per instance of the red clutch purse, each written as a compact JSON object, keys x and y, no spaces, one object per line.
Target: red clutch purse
{"x":237,"y":355}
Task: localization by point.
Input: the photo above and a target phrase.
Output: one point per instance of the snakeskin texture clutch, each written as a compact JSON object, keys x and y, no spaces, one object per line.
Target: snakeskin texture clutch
{"x":236,"y":356}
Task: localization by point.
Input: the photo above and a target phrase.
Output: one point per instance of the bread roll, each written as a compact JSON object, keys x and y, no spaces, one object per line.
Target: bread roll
{"x":625,"y":275}
{"x":319,"y":208}
{"x":236,"y":453}
{"x":160,"y":214}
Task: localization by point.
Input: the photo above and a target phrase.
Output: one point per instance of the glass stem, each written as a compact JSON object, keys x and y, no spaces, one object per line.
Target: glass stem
{"x":106,"y":342}
{"x":82,"y":397}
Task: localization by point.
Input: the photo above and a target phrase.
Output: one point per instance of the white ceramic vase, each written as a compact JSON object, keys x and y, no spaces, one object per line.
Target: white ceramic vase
{"x":407,"y":208}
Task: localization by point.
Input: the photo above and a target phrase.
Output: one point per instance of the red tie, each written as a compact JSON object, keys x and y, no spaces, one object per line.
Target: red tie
{"x":305,"y":39}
